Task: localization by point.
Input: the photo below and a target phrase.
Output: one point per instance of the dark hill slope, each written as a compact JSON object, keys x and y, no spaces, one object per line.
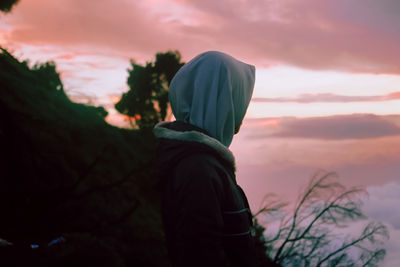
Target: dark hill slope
{"x":66,"y":172}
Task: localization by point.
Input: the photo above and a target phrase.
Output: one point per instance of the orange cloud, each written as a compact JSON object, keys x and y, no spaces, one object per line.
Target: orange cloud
{"x":395,"y":95}
{"x":67,"y":56}
{"x":118,"y":120}
{"x":270,"y":122}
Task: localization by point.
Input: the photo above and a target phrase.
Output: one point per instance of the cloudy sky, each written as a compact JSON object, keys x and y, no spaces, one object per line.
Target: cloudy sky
{"x":327,"y":94}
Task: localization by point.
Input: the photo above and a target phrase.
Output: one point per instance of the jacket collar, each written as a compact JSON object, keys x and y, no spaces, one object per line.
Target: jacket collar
{"x":161,"y":130}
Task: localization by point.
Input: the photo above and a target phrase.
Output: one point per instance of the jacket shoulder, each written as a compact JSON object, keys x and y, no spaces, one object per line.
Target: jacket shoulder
{"x":202,"y":163}
{"x":198,"y":163}
{"x":201,"y":170}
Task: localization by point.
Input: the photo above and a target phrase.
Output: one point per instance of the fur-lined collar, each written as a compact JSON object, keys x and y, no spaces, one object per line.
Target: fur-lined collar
{"x":194,"y":136}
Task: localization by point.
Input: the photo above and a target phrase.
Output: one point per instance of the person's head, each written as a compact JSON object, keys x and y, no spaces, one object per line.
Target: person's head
{"x":212,"y":92}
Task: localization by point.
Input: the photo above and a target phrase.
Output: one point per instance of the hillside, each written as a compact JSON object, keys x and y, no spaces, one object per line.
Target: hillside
{"x":67,"y":173}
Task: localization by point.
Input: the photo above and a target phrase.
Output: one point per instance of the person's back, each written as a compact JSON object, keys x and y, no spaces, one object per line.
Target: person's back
{"x":207,"y":220}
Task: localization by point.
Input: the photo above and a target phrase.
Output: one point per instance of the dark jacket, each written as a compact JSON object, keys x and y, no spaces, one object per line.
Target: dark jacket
{"x":206,"y":216}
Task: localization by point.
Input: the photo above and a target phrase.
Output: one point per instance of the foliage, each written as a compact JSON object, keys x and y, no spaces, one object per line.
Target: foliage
{"x":309,"y":237}
{"x":101,"y":111}
{"x":66,"y":172}
{"x":261,"y":246}
{"x":6,"y":5}
{"x":47,"y":72}
{"x":146,"y":102}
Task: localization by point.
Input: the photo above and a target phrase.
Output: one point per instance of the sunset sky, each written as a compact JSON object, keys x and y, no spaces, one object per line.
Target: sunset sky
{"x":327,"y":93}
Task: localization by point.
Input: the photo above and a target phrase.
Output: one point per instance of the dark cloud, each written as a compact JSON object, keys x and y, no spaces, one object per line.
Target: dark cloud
{"x":327,"y":97}
{"x":356,"y":126}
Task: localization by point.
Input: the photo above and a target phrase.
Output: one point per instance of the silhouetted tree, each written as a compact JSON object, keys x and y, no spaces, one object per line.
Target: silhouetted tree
{"x":6,"y":5}
{"x":101,"y":111}
{"x":48,"y":72}
{"x":146,"y":102}
{"x":307,"y":237}
{"x":66,"y":173}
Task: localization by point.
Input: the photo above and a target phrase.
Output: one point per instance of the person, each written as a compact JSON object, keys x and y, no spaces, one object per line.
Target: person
{"x":206,"y":216}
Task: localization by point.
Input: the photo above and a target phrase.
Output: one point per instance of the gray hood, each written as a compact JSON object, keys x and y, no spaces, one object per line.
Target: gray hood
{"x":212,"y":92}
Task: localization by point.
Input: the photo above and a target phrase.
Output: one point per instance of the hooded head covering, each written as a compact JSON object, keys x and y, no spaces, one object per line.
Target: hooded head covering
{"x":212,"y":92}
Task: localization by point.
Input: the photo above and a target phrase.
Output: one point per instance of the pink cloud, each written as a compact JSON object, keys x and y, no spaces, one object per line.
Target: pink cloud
{"x":382,"y":205}
{"x":267,"y":163}
{"x":328,"y":97}
{"x":337,"y":127}
{"x":107,"y":26}
{"x":270,"y":164}
{"x":358,"y":35}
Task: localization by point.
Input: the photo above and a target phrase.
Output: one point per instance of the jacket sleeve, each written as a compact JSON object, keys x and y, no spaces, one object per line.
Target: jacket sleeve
{"x":198,"y":193}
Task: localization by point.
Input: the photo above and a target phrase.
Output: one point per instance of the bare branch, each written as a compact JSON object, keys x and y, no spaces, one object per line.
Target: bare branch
{"x":369,"y":232}
{"x":307,"y":237}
